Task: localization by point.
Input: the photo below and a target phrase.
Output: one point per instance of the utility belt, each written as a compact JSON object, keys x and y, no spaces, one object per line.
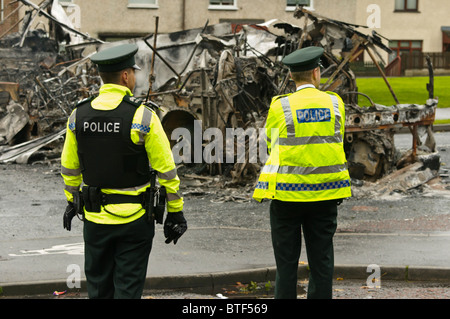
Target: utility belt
{"x":153,"y":200}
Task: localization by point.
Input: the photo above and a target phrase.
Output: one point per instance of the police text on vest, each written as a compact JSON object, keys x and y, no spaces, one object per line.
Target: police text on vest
{"x":101,"y":126}
{"x":313,"y":115}
{"x":98,"y":127}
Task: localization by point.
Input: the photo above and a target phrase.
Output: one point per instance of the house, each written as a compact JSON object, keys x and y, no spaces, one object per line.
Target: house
{"x":411,"y":28}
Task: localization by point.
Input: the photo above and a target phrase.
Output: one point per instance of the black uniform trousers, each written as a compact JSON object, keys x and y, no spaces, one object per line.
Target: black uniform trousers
{"x":318,"y":221}
{"x":116,"y":258}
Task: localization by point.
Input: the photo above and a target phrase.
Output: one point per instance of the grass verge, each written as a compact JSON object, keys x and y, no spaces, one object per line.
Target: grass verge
{"x":407,"y":89}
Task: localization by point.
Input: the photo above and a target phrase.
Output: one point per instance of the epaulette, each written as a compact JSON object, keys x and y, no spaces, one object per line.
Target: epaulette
{"x":132,"y":100}
{"x":280,"y":96}
{"x":152,"y":105}
{"x":89,"y":99}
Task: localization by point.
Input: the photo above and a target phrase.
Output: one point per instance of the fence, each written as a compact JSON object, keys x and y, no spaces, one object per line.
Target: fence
{"x":417,"y":60}
{"x":406,"y":61}
{"x":365,"y":68}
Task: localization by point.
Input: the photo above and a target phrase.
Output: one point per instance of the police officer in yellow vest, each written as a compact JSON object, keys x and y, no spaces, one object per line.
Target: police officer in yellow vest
{"x":305,"y":176}
{"x":113,"y":143}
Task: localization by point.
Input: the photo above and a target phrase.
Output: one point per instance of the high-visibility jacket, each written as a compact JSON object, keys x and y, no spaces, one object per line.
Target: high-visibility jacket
{"x":108,"y":157}
{"x":305,"y":132}
{"x":146,"y":129}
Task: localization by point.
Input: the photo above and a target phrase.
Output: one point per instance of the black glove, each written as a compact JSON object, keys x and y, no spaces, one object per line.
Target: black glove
{"x":68,"y":215}
{"x":175,"y":226}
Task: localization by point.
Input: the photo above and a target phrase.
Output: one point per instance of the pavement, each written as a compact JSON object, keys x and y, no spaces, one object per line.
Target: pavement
{"x":442,"y":114}
{"x":218,"y":250}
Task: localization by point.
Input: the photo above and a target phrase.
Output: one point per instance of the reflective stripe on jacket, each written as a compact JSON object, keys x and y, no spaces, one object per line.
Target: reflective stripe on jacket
{"x":146,"y":130}
{"x":307,"y":162}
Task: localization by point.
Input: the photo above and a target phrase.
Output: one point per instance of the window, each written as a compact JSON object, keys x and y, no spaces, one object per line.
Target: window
{"x":222,"y":5}
{"x":142,"y":4}
{"x":406,"y":5}
{"x":408,"y":47}
{"x":222,"y":2}
{"x":445,"y":39}
{"x":405,"y":45}
{"x":292,"y":4}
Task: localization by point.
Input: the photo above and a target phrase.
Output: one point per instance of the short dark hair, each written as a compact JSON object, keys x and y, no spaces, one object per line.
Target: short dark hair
{"x":303,"y":76}
{"x":112,"y":77}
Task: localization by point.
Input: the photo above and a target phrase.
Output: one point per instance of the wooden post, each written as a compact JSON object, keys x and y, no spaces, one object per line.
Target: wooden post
{"x":347,"y":59}
{"x":382,"y":74}
{"x":152,"y":68}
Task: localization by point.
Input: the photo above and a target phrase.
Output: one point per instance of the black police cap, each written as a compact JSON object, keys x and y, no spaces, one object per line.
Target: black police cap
{"x":303,"y":59}
{"x":116,"y":58}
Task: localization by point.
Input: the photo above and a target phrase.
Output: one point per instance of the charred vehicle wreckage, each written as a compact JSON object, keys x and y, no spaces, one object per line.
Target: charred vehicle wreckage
{"x":213,"y":80}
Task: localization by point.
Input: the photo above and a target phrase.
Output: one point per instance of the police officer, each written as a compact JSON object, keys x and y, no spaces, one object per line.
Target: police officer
{"x":112,"y":140}
{"x":305,"y":176}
